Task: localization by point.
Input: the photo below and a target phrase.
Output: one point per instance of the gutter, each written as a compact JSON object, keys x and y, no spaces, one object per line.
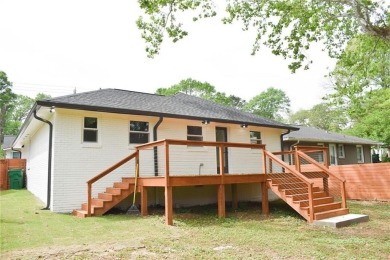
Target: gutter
{"x":155,"y":154}
{"x":49,"y":157}
{"x":281,"y":142}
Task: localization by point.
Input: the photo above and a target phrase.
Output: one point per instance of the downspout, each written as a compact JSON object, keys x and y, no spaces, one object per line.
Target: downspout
{"x":155,"y":148}
{"x":281,"y":142}
{"x":49,"y":157}
{"x":291,"y":146}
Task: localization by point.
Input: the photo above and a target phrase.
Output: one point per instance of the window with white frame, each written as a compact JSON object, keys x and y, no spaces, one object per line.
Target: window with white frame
{"x":340,"y":150}
{"x":255,"y":137}
{"x":359,"y":154}
{"x":90,"y":130}
{"x":139,"y":132}
{"x":194,"y":133}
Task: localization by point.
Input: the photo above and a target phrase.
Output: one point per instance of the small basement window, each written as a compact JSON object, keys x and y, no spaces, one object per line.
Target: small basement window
{"x":255,"y":137}
{"x":90,"y":131}
{"x":194,"y":133}
{"x":139,"y":132}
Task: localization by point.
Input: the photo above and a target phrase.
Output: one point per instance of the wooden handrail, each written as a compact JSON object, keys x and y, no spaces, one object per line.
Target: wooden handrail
{"x":288,"y":167}
{"x":102,"y":174}
{"x":329,"y":173}
{"x":283,"y":152}
{"x":209,"y":143}
{"x":322,"y":167}
{"x":150,"y":145}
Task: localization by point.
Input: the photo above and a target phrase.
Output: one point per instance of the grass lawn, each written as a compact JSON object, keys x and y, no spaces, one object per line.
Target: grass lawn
{"x":27,"y":232}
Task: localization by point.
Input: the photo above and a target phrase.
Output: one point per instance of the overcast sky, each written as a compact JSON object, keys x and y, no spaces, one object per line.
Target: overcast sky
{"x":55,"y":46}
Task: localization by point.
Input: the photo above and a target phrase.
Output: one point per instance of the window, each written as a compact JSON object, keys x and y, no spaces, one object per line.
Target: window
{"x":90,"y":129}
{"x":359,"y":154}
{"x":16,"y":155}
{"x":139,"y":132}
{"x":255,"y":137}
{"x":194,"y":133}
{"x":340,"y":149}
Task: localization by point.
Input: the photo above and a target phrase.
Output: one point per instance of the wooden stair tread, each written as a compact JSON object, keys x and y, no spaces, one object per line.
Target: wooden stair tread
{"x":331,"y":213}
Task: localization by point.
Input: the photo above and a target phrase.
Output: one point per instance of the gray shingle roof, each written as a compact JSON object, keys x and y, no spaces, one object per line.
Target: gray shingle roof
{"x":312,"y":134}
{"x":176,"y":106}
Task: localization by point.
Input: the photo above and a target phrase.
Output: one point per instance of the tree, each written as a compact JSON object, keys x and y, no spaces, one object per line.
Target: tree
{"x":374,"y":119}
{"x":287,"y":27}
{"x":19,"y":111}
{"x":190,"y":87}
{"x":6,"y":99}
{"x":363,"y":66}
{"x":203,"y":90}
{"x":272,"y":104}
{"x":322,"y":116}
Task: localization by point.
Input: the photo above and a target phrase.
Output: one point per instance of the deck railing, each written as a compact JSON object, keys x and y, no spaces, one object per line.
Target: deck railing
{"x":275,"y":167}
{"x":313,"y":163}
{"x":164,"y":158}
{"x":104,"y":173}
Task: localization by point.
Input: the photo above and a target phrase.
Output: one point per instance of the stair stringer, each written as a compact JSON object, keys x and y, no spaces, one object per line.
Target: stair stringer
{"x":100,"y":206}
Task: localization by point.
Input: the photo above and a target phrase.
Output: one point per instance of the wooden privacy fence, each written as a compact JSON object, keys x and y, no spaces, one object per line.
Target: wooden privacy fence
{"x":7,"y":164}
{"x":365,"y":181}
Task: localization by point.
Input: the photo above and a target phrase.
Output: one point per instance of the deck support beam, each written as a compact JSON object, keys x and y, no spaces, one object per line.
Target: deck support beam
{"x":168,"y":206}
{"x":221,"y":201}
{"x":144,"y":201}
{"x":264,"y":199}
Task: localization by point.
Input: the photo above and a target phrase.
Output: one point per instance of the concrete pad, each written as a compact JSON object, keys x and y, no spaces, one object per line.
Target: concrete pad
{"x":341,"y":221}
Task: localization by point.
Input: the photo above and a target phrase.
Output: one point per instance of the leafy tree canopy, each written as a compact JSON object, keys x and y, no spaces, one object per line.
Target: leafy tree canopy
{"x":271,"y":103}
{"x":6,"y":101}
{"x":203,"y":90}
{"x":374,"y":119}
{"x":363,"y":66}
{"x":321,"y":116}
{"x":288,"y":27}
{"x":19,"y":111}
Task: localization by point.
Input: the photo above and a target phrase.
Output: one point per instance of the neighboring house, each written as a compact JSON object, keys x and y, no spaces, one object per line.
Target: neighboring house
{"x":343,"y":149}
{"x":9,"y":153}
{"x":91,"y":131}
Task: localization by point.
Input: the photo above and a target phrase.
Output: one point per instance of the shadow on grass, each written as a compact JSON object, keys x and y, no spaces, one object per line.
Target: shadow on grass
{"x":207,"y":215}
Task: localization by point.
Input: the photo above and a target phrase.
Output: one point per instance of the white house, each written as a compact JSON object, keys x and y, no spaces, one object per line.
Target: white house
{"x":68,"y":140}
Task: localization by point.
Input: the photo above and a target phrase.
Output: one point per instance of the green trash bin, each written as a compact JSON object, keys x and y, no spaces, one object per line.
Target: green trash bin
{"x":15,"y":177}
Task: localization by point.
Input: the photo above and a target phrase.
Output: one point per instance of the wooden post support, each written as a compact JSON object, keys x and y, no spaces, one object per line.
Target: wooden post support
{"x":325,"y":183}
{"x":168,"y":190}
{"x":234,"y":197}
{"x":343,"y":195}
{"x":168,"y":206}
{"x":144,"y":201}
{"x":311,"y":204}
{"x":221,"y":201}
{"x":264,"y":199}
{"x":221,"y":187}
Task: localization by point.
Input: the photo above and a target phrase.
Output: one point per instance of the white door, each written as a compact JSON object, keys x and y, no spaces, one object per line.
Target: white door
{"x":332,"y":154}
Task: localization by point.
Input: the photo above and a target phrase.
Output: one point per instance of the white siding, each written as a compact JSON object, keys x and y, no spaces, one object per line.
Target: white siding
{"x":74,"y":163}
{"x":36,"y":153}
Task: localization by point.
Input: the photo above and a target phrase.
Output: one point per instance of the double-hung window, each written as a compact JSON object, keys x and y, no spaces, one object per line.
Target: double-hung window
{"x":255,"y":137}
{"x":340,"y":148}
{"x":139,"y":132}
{"x":90,"y":130}
{"x":194,"y":133}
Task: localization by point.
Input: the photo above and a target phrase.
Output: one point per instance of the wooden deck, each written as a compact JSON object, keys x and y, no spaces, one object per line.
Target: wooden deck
{"x":287,"y":181}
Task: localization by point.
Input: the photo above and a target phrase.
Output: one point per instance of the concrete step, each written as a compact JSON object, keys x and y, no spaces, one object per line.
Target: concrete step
{"x":341,"y":221}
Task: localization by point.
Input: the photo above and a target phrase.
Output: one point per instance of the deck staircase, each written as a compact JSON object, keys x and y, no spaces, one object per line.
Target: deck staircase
{"x":295,"y":193}
{"x":107,"y":200}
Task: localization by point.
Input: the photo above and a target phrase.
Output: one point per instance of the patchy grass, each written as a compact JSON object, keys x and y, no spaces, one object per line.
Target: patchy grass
{"x":27,"y":232}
